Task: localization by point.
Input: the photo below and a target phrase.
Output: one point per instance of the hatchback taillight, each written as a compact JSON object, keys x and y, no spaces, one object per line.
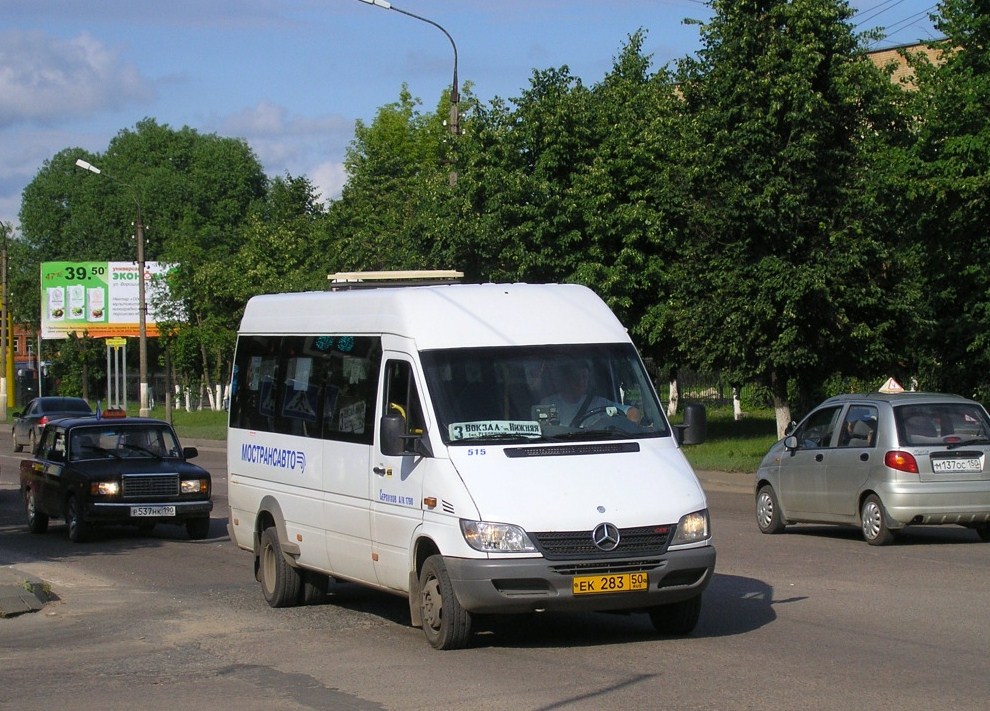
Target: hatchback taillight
{"x":901,"y":461}
{"x":43,"y":420}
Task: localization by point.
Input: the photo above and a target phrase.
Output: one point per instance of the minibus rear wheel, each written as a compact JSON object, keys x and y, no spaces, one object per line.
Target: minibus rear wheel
{"x":280,"y":582}
{"x":447,"y":625}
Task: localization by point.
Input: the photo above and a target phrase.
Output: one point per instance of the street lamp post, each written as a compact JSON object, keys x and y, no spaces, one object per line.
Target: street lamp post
{"x":455,"y":98}
{"x":144,"y":411}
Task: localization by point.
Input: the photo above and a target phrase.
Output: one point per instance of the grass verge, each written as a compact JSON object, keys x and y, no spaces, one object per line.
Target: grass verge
{"x":733,"y":445}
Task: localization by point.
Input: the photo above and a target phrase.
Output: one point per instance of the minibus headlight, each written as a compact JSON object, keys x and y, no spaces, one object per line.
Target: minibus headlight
{"x":496,"y":537}
{"x":692,"y":528}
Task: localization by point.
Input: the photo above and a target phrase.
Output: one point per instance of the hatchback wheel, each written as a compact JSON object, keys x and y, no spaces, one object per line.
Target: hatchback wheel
{"x":768,"y":516}
{"x":874,"y":521}
{"x":17,"y":447}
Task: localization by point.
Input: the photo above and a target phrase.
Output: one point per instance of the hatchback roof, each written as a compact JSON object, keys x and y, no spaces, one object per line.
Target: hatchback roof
{"x":913,"y":397}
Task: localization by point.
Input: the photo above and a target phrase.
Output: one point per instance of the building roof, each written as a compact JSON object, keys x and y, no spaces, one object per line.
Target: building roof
{"x":903,"y":74}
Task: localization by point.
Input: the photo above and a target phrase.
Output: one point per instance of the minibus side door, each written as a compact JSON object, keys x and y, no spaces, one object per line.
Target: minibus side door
{"x":396,"y":481}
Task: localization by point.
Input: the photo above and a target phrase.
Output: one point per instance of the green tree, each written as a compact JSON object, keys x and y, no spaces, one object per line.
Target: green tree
{"x":943,"y":180}
{"x":193,"y":190}
{"x":77,"y":367}
{"x":398,"y":170}
{"x":783,"y":278}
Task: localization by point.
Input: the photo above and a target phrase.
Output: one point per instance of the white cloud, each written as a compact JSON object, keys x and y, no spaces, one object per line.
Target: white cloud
{"x":47,"y":80}
{"x":329,"y":179}
{"x":311,"y":147}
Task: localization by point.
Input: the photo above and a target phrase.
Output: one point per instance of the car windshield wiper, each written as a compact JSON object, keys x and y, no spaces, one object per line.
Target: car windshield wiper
{"x":611,"y":433}
{"x":968,"y":442}
{"x":143,"y":450}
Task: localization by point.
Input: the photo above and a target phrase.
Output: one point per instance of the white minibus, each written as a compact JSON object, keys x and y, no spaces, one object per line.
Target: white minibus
{"x":476,"y":448}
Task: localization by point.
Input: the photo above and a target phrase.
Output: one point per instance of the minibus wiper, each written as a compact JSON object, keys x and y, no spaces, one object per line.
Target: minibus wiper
{"x":590,"y":434}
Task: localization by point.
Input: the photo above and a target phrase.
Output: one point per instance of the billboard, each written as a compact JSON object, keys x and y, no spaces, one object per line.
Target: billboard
{"x":99,"y":298}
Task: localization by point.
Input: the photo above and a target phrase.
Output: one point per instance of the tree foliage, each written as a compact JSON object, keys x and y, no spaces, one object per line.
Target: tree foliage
{"x":774,"y":208}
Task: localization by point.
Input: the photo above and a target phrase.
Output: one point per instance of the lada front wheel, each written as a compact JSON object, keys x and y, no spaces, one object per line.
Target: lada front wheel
{"x":198,"y":528}
{"x":78,"y":528}
{"x":447,"y":625}
{"x":280,"y":582}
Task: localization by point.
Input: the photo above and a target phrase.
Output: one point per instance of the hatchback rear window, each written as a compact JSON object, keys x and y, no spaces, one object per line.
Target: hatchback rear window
{"x":941,"y":423}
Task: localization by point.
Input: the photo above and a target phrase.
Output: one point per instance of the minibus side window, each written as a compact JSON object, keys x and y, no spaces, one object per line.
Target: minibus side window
{"x":402,"y":398}
{"x":255,"y":377}
{"x":349,"y":386}
{"x":318,"y":386}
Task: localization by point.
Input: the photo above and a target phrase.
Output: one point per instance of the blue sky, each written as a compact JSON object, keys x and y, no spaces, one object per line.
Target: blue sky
{"x":292,"y":76}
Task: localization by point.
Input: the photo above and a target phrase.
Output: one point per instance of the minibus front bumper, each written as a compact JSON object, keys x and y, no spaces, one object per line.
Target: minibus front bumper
{"x":531,"y":584}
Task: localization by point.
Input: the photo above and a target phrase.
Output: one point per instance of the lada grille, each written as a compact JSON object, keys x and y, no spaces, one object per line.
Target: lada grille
{"x":146,"y":486}
{"x":571,"y":545}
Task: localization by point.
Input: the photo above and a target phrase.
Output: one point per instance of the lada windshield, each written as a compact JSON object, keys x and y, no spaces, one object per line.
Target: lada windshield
{"x":110,"y":441}
{"x":529,"y":393}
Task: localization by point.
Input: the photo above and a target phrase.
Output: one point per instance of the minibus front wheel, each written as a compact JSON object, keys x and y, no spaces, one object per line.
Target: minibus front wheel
{"x":280,"y":582}
{"x":447,"y":625}
{"x":678,"y":618}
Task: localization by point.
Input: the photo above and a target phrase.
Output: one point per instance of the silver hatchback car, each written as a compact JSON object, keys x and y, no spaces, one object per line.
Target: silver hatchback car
{"x":881,"y":462}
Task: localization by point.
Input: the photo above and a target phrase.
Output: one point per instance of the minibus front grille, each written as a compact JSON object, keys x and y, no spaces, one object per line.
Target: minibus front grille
{"x":609,"y":567}
{"x":572,"y":450}
{"x":571,"y":545}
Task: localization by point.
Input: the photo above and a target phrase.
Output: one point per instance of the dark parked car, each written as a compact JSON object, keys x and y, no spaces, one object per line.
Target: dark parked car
{"x":41,"y":410}
{"x":881,"y":462}
{"x":101,"y":470}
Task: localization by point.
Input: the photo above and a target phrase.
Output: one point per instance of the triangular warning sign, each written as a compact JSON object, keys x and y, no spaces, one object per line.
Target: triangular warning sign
{"x":891,"y":386}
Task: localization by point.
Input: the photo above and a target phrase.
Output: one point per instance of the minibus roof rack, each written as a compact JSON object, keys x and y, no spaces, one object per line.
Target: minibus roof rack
{"x":370,"y":280}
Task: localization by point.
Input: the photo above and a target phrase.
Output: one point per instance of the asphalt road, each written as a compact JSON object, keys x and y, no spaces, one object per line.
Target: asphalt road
{"x":813,"y":618}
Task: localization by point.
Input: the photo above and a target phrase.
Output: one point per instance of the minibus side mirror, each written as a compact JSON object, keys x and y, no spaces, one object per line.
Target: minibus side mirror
{"x":394,"y":438}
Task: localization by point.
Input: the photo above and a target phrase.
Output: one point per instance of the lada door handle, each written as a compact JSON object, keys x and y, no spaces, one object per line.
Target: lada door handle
{"x":819,"y":457}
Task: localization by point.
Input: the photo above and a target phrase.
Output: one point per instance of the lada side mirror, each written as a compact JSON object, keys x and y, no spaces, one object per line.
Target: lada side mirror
{"x":394,"y":440}
{"x":790,"y":443}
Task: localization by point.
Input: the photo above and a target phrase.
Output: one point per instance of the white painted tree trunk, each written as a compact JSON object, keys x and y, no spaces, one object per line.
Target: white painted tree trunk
{"x":675,"y":396}
{"x":737,"y":413}
{"x":783,"y":413}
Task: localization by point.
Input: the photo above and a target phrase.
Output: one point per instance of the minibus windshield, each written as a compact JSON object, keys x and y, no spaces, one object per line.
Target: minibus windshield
{"x":549,"y":393}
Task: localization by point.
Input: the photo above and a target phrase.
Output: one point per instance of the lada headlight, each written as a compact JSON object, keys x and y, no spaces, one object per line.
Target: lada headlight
{"x":193,"y":486}
{"x":496,"y":537}
{"x":104,"y":488}
{"x":692,"y":528}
